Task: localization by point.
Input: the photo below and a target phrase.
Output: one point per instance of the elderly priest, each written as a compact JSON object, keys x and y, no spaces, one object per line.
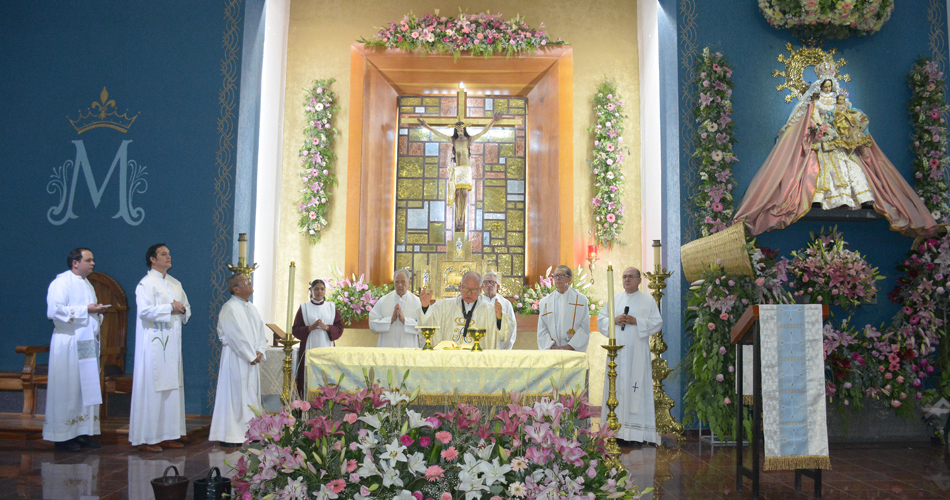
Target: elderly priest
{"x":396,"y":315}
{"x":456,"y":316}
{"x":564,"y":321}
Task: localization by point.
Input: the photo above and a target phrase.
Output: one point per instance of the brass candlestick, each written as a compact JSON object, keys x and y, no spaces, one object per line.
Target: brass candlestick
{"x":428,"y":332}
{"x":288,"y":344}
{"x":613,"y":450}
{"x":665,"y":423}
{"x":477,"y":335}
{"x":242,"y":266}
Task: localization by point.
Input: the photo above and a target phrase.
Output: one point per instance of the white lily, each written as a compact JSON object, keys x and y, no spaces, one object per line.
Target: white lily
{"x":417,"y":463}
{"x":394,"y":397}
{"x":394,"y":452}
{"x":391,"y":477}
{"x":416,"y":420}
{"x":372,"y":420}
{"x":494,"y":472}
{"x":404,"y":495}
{"x":368,"y":468}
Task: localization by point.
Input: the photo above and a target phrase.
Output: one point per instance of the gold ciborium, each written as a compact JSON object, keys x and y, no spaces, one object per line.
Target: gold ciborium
{"x":428,"y":332}
{"x":477,"y":334}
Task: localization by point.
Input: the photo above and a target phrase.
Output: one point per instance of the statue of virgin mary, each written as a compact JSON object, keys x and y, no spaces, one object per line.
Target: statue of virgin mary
{"x":824,"y":156}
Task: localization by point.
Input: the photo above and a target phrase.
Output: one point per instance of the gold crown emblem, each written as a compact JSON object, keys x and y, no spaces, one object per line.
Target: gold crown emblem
{"x":103,"y":114}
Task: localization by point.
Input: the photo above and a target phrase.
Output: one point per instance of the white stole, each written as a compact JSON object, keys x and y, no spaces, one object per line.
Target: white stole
{"x":311,"y":313}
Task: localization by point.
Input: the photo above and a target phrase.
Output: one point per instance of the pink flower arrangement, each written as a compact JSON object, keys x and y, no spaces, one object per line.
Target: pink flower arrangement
{"x":354,"y":298}
{"x":607,"y":164}
{"x":928,"y":109}
{"x":825,"y":272}
{"x":316,"y":159}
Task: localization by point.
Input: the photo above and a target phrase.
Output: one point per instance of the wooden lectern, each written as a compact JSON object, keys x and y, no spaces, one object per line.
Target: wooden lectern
{"x":746,"y":332}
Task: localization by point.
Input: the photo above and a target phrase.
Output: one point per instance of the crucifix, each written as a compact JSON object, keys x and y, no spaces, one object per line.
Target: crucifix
{"x":460,"y":181}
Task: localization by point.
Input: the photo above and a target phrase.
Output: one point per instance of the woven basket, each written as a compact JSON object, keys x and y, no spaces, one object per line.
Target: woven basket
{"x":727,"y":247}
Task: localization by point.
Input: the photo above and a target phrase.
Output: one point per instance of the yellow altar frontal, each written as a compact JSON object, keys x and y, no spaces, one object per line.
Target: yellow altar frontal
{"x":476,"y":377}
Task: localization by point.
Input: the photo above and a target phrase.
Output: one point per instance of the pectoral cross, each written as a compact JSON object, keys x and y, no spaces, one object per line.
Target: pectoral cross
{"x":571,"y":332}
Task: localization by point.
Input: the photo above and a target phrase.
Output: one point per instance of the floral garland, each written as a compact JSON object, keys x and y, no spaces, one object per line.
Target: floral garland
{"x":714,"y":304}
{"x":827,"y":18}
{"x":714,"y":203}
{"x":928,"y":113}
{"x":607,"y":163}
{"x":528,"y":302}
{"x":482,"y":34}
{"x":354,"y":298}
{"x":316,"y":159}
{"x":369,"y":444}
{"x":825,"y":273}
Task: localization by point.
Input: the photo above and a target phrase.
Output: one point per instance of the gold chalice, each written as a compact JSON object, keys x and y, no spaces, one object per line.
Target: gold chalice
{"x":477,"y":334}
{"x":428,"y":332}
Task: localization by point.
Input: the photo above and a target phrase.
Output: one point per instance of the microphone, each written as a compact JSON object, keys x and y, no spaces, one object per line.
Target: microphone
{"x":625,"y":311}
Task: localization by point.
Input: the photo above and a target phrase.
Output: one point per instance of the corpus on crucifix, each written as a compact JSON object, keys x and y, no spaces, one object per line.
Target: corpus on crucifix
{"x":460,"y":181}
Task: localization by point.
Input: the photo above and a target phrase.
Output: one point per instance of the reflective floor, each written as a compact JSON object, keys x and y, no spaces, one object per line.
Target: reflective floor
{"x":31,"y":469}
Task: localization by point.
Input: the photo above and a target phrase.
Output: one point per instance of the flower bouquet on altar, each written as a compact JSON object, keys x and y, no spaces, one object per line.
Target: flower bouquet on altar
{"x":825,"y":273}
{"x":369,"y":444}
{"x":354,"y":298}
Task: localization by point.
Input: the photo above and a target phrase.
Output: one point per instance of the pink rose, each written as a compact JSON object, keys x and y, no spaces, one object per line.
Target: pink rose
{"x":446,"y":496}
{"x":722,"y":350}
{"x":727,"y":401}
{"x":350,"y":418}
{"x":720,"y":378}
{"x":724,"y":316}
{"x":712,"y":326}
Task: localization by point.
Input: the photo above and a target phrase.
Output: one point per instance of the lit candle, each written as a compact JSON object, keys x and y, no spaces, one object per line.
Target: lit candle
{"x":290,"y":298}
{"x":242,"y":249}
{"x":610,"y":301}
{"x":591,"y":251}
{"x":656,"y":255}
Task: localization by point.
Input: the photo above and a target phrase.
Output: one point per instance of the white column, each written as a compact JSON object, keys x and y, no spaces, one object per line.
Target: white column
{"x":651,"y":189}
{"x":276,"y":23}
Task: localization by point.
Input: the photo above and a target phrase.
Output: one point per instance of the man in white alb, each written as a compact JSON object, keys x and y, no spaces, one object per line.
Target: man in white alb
{"x":455,"y":316}
{"x":244,"y":342}
{"x":396,"y":315}
{"x":158,"y":391}
{"x":491,"y":282}
{"x":564,"y":321}
{"x":637,"y":318}
{"x":73,"y":395}
{"x":317,"y":324}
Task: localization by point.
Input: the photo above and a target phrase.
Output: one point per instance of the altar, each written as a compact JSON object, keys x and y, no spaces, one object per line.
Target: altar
{"x":476,"y":378}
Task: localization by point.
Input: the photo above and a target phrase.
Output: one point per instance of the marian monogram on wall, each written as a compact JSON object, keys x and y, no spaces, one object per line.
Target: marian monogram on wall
{"x":130,"y":175}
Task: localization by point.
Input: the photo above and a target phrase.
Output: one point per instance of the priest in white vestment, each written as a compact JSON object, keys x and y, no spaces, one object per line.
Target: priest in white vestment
{"x":396,"y":315}
{"x":158,"y":394}
{"x":637,"y":318}
{"x":243,"y":344}
{"x":73,"y":394}
{"x":491,"y":282}
{"x":455,"y":316}
{"x":564,"y":321}
{"x":317,"y":324}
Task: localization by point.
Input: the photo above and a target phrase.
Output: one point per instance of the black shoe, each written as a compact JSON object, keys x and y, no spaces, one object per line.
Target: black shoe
{"x":70,"y":445}
{"x":230,"y":445}
{"x":85,"y":442}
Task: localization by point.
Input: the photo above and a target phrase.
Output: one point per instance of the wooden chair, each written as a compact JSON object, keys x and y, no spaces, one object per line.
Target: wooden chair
{"x":28,"y":379}
{"x":112,"y":335}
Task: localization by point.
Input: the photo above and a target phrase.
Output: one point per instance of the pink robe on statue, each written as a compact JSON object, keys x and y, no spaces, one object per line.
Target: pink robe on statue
{"x":781,"y":191}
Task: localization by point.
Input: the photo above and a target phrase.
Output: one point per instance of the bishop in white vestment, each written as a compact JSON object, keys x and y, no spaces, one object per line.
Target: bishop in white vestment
{"x":317,"y":324}
{"x":564,"y":321}
{"x":244,"y":342}
{"x":158,"y":393}
{"x":455,"y":316}
{"x":396,"y":315}
{"x":491,"y":282}
{"x":73,"y":394}
{"x":637,"y":318}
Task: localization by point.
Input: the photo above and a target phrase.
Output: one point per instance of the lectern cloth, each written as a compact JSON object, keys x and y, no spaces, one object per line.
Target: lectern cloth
{"x":793,"y":387}
{"x":477,"y":377}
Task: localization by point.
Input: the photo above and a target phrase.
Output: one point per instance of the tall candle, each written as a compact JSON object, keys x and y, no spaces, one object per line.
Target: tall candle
{"x":290,"y":298}
{"x":242,"y":249}
{"x":610,"y":301}
{"x":656,"y":255}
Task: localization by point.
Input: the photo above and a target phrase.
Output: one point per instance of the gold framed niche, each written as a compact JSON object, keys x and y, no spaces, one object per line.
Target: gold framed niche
{"x":378,"y":77}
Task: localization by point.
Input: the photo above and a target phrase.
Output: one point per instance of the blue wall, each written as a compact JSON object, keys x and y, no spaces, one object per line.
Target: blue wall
{"x":878,"y":66}
{"x":175,"y":64}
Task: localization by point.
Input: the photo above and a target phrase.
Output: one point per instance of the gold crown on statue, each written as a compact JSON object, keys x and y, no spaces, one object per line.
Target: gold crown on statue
{"x":103,"y":114}
{"x":826,"y":69}
{"x":460,"y":126}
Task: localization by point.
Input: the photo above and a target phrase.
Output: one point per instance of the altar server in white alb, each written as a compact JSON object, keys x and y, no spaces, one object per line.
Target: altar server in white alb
{"x":73,"y":395}
{"x":158,"y":392}
{"x":564,"y":321}
{"x":396,"y":315}
{"x":637,"y":318}
{"x":243,"y":344}
{"x":317,"y":324}
{"x":491,"y":282}
{"x":455,"y":316}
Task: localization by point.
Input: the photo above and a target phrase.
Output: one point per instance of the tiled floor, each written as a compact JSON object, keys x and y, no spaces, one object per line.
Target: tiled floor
{"x":31,"y":469}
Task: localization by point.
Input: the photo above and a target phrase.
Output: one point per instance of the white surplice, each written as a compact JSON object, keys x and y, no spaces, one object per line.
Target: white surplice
{"x":560,"y":313}
{"x":447,"y":315}
{"x":396,"y":333}
{"x":508,"y":318}
{"x":635,"y":411}
{"x":243,"y":335}
{"x":158,"y":393}
{"x":74,"y":330}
